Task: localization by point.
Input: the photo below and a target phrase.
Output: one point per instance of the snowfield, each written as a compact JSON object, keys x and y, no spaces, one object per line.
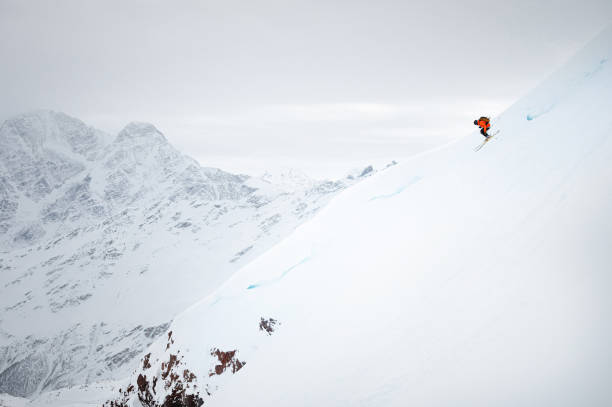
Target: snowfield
{"x":453,"y":279}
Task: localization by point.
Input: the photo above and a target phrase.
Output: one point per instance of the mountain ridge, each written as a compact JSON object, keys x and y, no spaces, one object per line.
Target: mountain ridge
{"x":93,"y":226}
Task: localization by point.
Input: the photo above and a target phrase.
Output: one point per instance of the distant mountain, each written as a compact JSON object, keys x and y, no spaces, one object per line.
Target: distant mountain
{"x":105,"y":239}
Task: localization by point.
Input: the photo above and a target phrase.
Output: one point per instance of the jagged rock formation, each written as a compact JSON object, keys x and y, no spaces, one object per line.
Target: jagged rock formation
{"x":164,"y":377}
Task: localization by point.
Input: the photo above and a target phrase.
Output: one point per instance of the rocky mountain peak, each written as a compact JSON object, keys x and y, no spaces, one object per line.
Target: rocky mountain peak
{"x":140,"y":131}
{"x":50,"y":130}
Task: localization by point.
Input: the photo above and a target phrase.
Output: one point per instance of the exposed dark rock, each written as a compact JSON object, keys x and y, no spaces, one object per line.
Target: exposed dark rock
{"x":367,"y":170}
{"x":267,"y":325}
{"x":177,"y":385}
{"x":226,"y":360}
{"x":241,"y":253}
{"x":170,"y":340}
{"x":155,"y":331}
{"x":23,"y":377}
{"x":146,"y":363}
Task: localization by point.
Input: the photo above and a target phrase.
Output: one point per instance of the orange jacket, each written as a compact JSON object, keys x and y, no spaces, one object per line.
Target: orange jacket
{"x":484,"y":124}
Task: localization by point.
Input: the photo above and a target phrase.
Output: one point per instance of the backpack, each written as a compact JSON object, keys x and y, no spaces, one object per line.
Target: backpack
{"x":485,"y":119}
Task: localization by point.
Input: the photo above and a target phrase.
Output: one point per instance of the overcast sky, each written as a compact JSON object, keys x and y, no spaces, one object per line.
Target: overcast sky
{"x":318,"y":85}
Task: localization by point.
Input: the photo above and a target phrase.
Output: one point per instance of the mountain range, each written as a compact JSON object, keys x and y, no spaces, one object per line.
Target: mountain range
{"x":99,"y":235}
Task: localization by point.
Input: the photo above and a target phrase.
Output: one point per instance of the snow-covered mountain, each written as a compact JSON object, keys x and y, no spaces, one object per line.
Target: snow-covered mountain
{"x":105,"y":239}
{"x":455,"y":278}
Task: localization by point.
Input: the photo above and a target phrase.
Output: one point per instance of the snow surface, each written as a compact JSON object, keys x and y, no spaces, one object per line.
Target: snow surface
{"x":457,"y":278}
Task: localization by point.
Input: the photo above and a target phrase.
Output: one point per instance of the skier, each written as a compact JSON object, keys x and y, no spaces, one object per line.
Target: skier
{"x":484,"y":124}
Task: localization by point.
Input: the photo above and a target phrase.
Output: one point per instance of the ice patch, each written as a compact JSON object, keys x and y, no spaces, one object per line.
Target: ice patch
{"x":597,"y":69}
{"x":412,"y":181}
{"x":277,"y":279}
{"x":533,"y":116}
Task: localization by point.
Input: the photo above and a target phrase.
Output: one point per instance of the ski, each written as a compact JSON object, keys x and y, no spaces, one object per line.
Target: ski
{"x":481,"y":145}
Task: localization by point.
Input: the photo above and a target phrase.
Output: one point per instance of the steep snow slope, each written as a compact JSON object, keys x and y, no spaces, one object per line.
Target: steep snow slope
{"x":99,"y":236}
{"x":454,"y":279}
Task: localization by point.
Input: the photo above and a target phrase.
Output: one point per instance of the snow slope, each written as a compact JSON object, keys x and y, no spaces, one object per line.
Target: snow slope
{"x":454,"y":279}
{"x":98,"y":236}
